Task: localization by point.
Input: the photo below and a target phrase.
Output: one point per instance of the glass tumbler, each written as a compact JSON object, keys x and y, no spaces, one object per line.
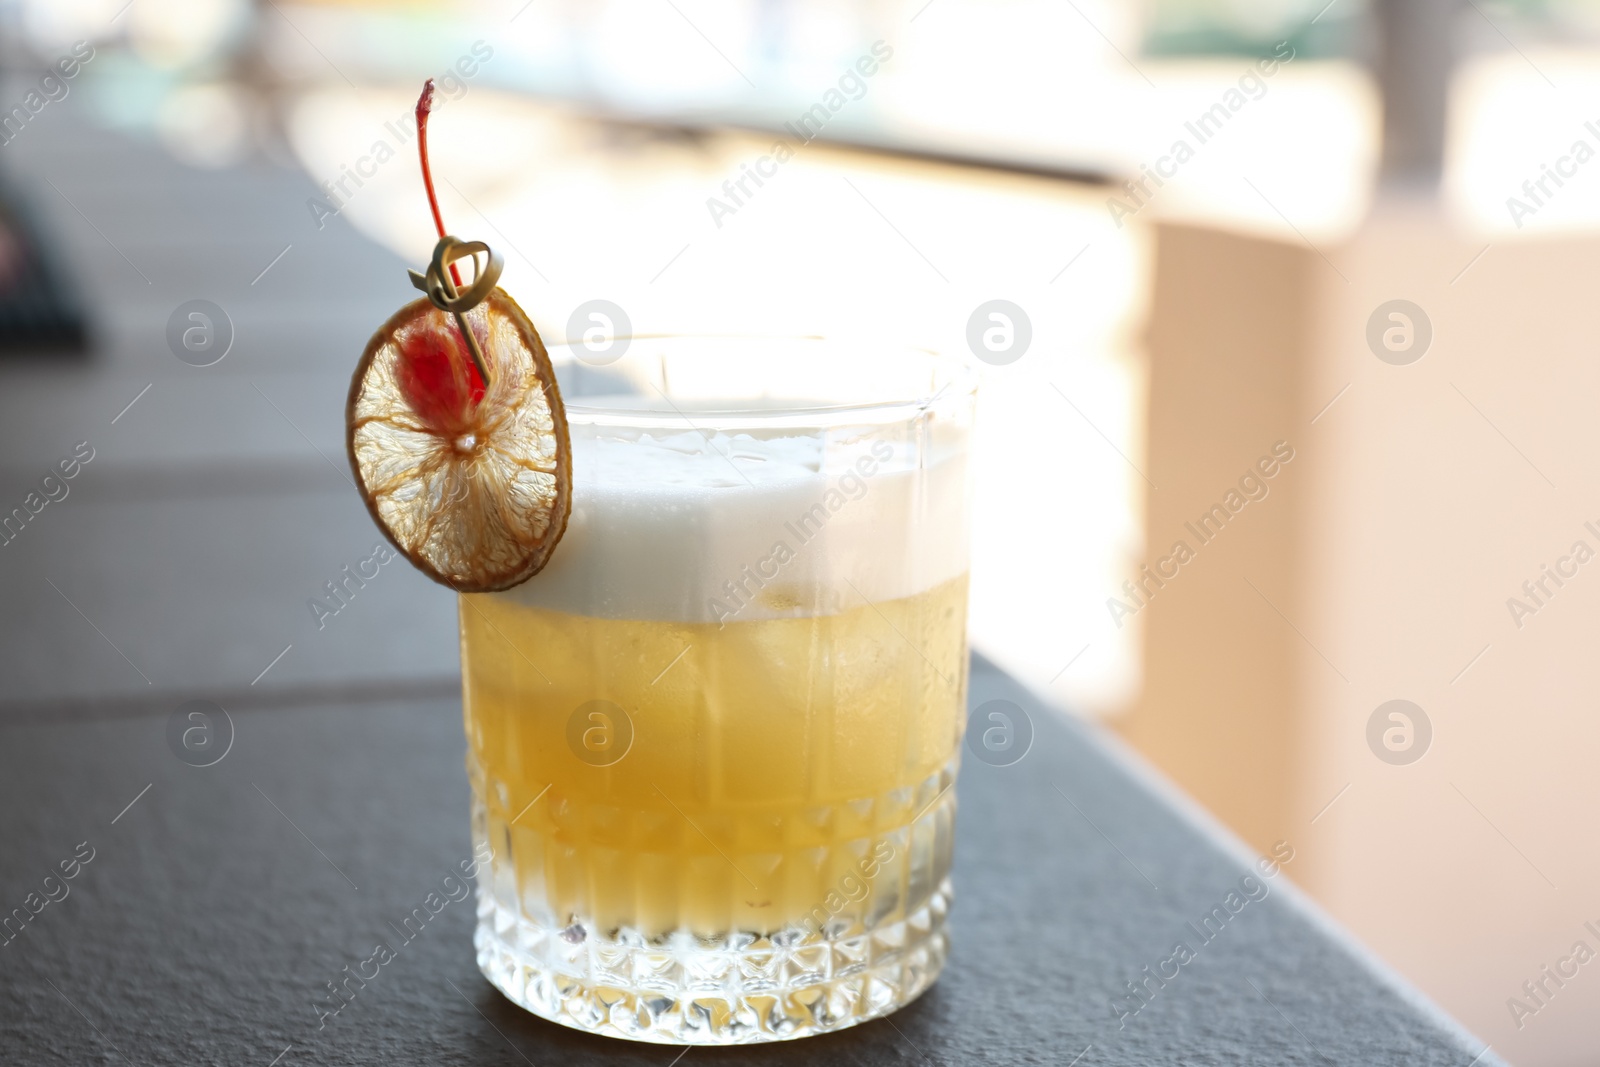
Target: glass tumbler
{"x":713,"y":744}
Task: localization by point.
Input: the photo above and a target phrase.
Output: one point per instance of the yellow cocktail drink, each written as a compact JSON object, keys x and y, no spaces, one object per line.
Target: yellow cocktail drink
{"x":756,"y":764}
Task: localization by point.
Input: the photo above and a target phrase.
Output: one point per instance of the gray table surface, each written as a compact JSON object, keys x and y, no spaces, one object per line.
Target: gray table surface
{"x":220,"y":900}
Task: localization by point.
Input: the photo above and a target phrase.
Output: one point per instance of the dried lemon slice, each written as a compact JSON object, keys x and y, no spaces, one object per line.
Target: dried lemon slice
{"x":472,"y":484}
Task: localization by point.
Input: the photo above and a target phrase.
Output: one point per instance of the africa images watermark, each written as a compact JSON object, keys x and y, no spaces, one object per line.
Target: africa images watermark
{"x":52,"y":87}
{"x":1538,"y":591}
{"x":1210,"y":122}
{"x":806,"y":127}
{"x":846,"y":489}
{"x":1249,"y":890}
{"x":54,"y":489}
{"x":852,"y":888}
{"x":55,"y":889}
{"x":452,"y":85}
{"x":1253,"y":485}
{"x":341,"y":591}
{"x":1566,"y":166}
{"x":456,"y":888}
{"x":1538,"y":991}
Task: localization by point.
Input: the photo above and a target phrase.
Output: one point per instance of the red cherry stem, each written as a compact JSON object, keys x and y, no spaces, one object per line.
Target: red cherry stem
{"x":424,"y":107}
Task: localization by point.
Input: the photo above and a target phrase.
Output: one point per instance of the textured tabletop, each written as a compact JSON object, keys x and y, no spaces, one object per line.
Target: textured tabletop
{"x":209,"y":908}
{"x":219,"y":902}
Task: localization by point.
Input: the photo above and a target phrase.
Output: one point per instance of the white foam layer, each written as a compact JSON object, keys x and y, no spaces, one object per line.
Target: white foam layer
{"x":731,"y":527}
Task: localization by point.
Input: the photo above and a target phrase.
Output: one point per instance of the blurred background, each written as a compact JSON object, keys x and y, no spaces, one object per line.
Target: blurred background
{"x":1302,"y":286}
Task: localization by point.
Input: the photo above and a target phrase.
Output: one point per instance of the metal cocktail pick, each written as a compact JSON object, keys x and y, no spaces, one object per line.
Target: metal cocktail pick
{"x":446,"y":294}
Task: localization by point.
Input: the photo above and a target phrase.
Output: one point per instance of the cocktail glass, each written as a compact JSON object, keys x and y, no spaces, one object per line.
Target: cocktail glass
{"x":713,"y":744}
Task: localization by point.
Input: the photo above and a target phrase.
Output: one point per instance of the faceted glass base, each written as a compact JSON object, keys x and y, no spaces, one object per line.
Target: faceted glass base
{"x":685,"y":990}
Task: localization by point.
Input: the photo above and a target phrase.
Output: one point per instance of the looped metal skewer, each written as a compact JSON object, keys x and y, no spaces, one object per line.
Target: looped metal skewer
{"x":442,"y":291}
